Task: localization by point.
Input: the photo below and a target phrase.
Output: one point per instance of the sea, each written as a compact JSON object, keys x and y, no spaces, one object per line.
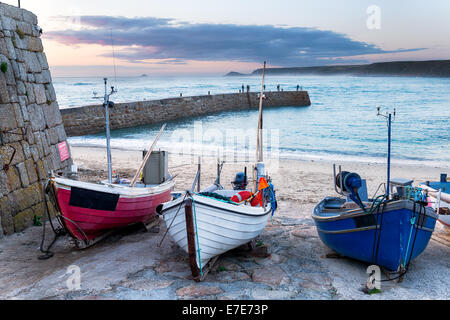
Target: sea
{"x":342,"y":124}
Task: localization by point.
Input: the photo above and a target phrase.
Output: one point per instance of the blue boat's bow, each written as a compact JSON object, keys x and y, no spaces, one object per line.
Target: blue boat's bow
{"x":386,"y":232}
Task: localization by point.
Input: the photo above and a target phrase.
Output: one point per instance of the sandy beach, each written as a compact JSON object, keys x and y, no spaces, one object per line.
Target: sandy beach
{"x":132,"y":265}
{"x":301,"y":181}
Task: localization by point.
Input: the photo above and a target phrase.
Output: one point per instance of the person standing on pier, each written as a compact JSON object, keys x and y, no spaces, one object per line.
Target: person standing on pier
{"x":248,"y":88}
{"x":243,"y":88}
{"x":298,"y":87}
{"x":278,"y":87}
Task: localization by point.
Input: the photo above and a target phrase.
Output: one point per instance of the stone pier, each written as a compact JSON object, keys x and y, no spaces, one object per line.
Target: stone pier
{"x":91,"y":119}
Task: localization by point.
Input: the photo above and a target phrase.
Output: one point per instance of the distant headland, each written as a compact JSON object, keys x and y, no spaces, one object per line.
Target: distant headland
{"x":433,"y":68}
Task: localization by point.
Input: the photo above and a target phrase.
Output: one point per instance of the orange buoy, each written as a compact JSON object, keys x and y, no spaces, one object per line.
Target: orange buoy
{"x":257,"y":201}
{"x":242,"y":196}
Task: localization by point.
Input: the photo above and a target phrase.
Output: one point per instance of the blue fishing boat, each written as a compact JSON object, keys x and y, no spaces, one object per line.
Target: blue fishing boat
{"x":388,"y":233}
{"x":390,"y":230}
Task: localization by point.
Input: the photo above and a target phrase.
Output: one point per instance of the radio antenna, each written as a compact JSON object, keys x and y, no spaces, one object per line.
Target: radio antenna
{"x":114,"y":58}
{"x":390,"y":117}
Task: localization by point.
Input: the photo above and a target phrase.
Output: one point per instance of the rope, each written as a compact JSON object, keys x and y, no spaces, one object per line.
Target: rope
{"x":378,"y":189}
{"x":419,"y":197}
{"x":413,"y":220}
{"x":376,"y":248}
{"x":86,"y":241}
{"x":50,"y":189}
{"x":173,"y":220}
{"x":58,"y":232}
{"x":273,"y":198}
{"x":180,"y":166}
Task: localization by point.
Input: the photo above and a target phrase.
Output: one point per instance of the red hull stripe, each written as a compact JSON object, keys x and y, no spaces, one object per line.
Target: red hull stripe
{"x":95,"y":222}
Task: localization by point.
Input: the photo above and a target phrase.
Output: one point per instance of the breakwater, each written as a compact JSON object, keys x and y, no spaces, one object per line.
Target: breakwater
{"x":91,"y":119}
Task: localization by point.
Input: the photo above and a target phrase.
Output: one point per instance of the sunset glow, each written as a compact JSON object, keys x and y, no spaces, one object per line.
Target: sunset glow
{"x":203,"y":37}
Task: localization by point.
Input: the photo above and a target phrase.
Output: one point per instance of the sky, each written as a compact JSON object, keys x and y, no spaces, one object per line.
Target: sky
{"x":211,"y":37}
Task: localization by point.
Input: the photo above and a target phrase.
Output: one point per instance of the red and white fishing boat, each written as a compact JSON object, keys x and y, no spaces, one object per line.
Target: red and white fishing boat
{"x":89,"y":211}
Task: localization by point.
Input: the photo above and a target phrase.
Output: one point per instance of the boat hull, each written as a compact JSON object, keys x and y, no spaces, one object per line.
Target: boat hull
{"x":91,"y":210}
{"x":220,"y":226}
{"x":386,"y":238}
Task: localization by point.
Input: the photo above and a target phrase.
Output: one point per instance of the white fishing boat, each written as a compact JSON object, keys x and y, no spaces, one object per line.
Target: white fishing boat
{"x":213,"y":221}
{"x":218,"y":225}
{"x":443,"y":218}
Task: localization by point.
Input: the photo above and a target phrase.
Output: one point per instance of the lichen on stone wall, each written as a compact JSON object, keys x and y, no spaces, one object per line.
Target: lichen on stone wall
{"x":31,"y":126}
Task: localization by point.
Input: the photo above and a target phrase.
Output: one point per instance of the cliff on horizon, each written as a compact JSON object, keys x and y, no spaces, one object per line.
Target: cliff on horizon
{"x":434,"y":68}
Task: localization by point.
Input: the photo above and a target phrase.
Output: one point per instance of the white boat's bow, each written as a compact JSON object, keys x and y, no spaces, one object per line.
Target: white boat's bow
{"x":220,"y":225}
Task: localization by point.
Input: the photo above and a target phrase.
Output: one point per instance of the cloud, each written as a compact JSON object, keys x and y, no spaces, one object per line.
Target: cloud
{"x":171,"y":41}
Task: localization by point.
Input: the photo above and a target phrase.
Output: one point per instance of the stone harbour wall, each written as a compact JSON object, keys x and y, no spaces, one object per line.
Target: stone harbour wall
{"x":31,"y":126}
{"x":91,"y":119}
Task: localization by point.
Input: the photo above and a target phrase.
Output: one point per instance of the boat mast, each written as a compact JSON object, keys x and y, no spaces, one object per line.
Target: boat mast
{"x":108,"y":131}
{"x":388,"y":116}
{"x":389,"y":156}
{"x":259,"y":140}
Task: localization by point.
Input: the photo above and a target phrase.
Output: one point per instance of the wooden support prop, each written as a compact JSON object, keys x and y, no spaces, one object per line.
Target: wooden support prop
{"x":83,"y":245}
{"x":192,"y":248}
{"x":209,"y":267}
{"x":251,"y":249}
{"x":441,"y":234}
{"x":152,"y":223}
{"x":147,"y":156}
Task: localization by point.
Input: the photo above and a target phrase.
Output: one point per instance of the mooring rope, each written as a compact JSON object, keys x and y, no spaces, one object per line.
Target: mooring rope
{"x":173,"y":220}
{"x":58,"y":232}
{"x":414,"y":224}
{"x":376,"y":243}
